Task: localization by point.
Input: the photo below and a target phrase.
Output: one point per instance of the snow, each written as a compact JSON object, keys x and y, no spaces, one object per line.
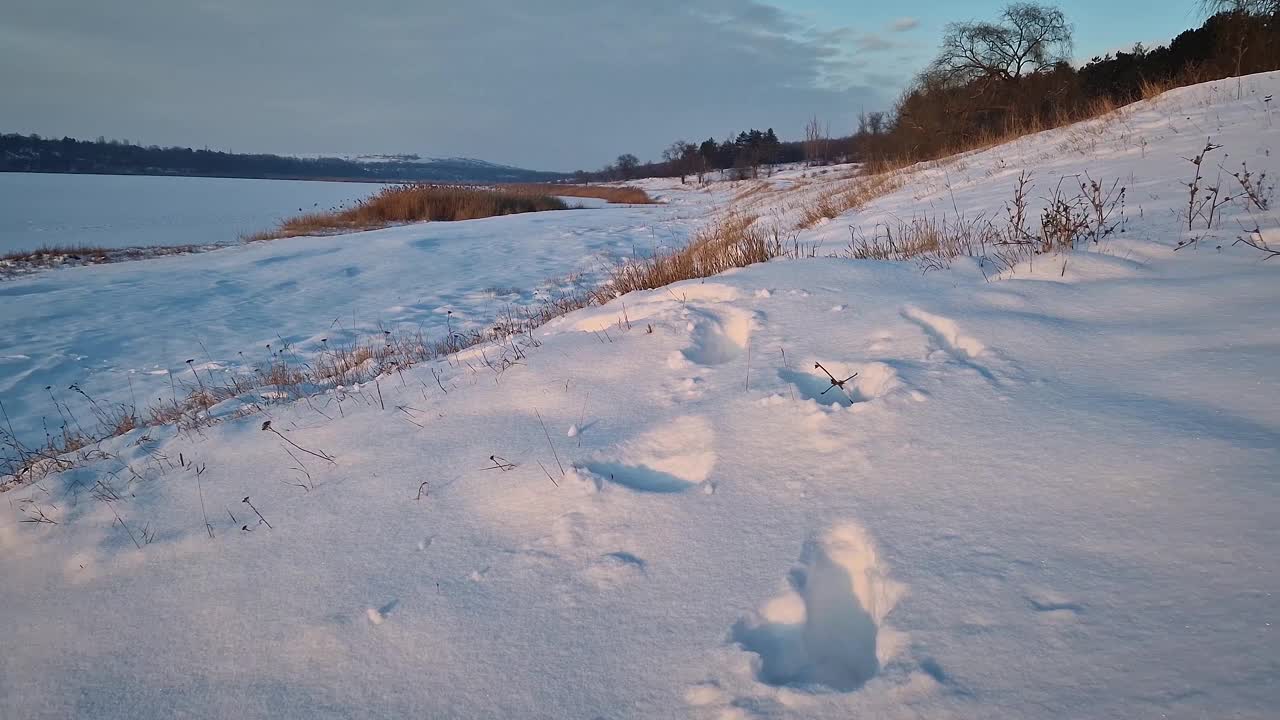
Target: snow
{"x":118,"y":211}
{"x":1046,"y":493}
{"x":104,"y":327}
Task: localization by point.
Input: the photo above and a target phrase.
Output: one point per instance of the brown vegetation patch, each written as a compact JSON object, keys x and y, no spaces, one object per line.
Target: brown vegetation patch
{"x":400,"y":204}
{"x":735,"y":241}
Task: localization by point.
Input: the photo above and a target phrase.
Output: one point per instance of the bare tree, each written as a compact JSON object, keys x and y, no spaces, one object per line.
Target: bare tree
{"x":1249,"y":7}
{"x":681,"y":157}
{"x":816,"y":141}
{"x":626,"y":165}
{"x":875,"y":123}
{"x":1028,"y":38}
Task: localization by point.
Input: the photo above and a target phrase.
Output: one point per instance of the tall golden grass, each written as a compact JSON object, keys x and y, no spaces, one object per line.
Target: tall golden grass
{"x":735,"y":241}
{"x":848,"y":195}
{"x":400,"y":204}
{"x":419,"y":202}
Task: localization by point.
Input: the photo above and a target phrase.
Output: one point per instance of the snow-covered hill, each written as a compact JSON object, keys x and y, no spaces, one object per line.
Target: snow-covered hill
{"x":412,"y":166}
{"x":1034,"y":492}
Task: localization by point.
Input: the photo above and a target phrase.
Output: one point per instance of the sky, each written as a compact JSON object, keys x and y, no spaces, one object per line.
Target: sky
{"x":546,"y":84}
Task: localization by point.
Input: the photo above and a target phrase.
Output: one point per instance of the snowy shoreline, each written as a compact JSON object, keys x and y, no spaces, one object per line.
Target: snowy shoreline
{"x":40,"y":260}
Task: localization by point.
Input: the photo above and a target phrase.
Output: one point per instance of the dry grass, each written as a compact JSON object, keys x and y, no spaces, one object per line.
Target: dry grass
{"x":284,"y":377}
{"x":754,"y":189}
{"x":848,"y":195}
{"x":400,"y":204}
{"x":926,"y":238}
{"x":415,"y":203}
{"x":620,"y":194}
{"x":1071,"y":218}
{"x":23,"y":261}
{"x":44,"y":254}
{"x":735,"y":241}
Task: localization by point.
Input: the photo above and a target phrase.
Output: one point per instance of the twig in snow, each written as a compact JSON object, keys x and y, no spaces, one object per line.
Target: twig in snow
{"x":499,"y":463}
{"x":549,"y":443}
{"x":261,"y":519}
{"x":788,"y":367}
{"x":405,"y":409}
{"x":125,"y":526}
{"x":321,"y":454}
{"x":544,"y":469}
{"x":39,"y":517}
{"x":302,"y":469}
{"x":834,"y":382}
{"x":200,"y":490}
{"x":1254,"y":240}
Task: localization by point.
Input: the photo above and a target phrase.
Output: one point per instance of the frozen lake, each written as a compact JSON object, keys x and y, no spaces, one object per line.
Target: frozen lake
{"x":38,"y":209}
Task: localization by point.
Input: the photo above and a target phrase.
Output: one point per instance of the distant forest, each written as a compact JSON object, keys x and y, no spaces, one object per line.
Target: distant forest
{"x":32,"y":153}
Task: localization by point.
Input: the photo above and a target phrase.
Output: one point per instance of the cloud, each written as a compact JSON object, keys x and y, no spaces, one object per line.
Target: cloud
{"x":904,"y":24}
{"x":872,"y":43}
{"x":558,"y":84}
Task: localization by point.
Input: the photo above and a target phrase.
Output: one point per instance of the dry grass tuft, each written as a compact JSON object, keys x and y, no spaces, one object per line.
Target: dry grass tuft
{"x":399,"y":204}
{"x":735,"y":241}
{"x":88,"y":253}
{"x":846,"y":196}
{"x":415,"y":203}
{"x":1070,"y":218}
{"x":938,"y":241}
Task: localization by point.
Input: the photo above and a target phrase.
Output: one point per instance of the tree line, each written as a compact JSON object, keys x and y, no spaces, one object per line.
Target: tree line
{"x":32,"y":153}
{"x":992,"y":79}
{"x":744,"y":153}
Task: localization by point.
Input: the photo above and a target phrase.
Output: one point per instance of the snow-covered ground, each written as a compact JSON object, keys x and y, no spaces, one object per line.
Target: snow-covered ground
{"x":117,"y":211}
{"x":116,"y":331}
{"x":1048,"y":493}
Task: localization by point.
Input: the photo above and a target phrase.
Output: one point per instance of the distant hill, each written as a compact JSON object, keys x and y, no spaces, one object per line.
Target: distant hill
{"x":32,"y":153}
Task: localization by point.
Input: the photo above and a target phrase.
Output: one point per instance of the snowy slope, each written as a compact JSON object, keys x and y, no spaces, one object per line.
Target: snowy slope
{"x":1048,"y":494}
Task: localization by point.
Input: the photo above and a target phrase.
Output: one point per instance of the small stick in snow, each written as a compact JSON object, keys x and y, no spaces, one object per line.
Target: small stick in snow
{"x":1255,"y":241}
{"x":551,"y":444}
{"x":499,"y":463}
{"x":193,"y":372}
{"x":126,"y":527}
{"x":322,"y":454}
{"x":426,"y":485}
{"x":255,"y":511}
{"x":834,"y":382}
{"x":199,"y":468}
{"x":788,"y":367}
{"x":544,"y":469}
{"x":39,"y":517}
{"x":405,"y":409}
{"x":302,"y":469}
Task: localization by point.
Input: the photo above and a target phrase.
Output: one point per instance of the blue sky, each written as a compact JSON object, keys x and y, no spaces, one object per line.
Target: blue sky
{"x":1101,"y":25}
{"x":913,"y":28}
{"x":550,"y":84}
